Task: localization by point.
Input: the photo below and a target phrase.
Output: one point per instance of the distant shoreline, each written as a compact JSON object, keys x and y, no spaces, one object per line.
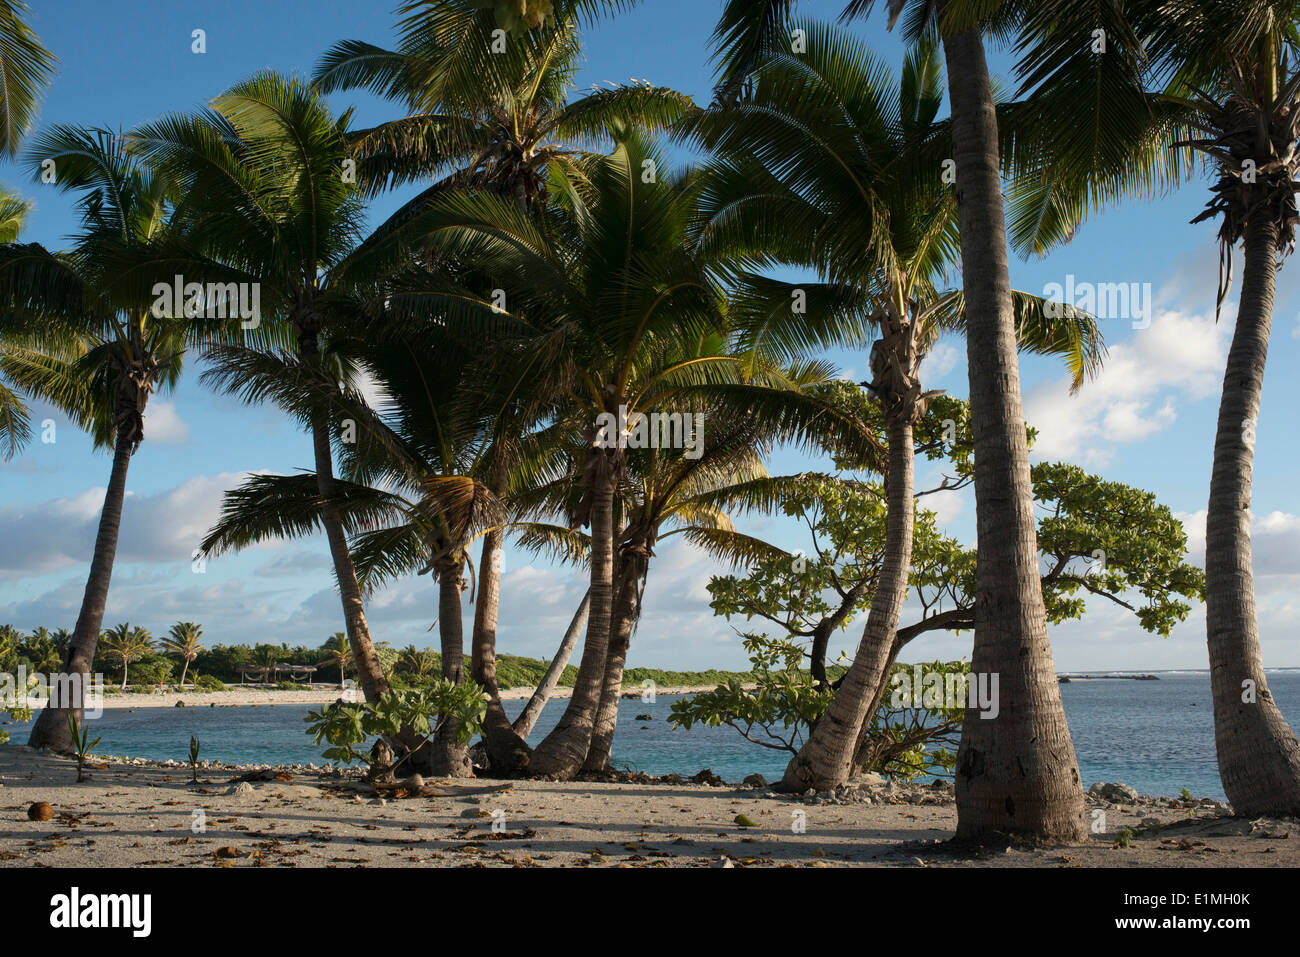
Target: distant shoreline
{"x":251,"y":697}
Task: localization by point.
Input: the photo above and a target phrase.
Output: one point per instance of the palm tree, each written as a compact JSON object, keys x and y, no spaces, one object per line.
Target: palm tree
{"x":605,"y":286}
{"x":270,"y":206}
{"x":1233,"y":75}
{"x":875,"y":162}
{"x":183,"y":641}
{"x":483,"y":119}
{"x":1207,"y":81}
{"x":126,"y":644}
{"x":91,"y":346}
{"x":1022,"y":775}
{"x":667,"y":493}
{"x":338,"y":654}
{"x":26,"y":69}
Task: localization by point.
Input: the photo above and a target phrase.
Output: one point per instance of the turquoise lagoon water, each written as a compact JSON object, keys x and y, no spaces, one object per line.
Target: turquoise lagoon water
{"x":1157,"y":736}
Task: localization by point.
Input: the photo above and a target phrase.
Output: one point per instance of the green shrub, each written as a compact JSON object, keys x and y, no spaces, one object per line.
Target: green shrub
{"x":207,"y":683}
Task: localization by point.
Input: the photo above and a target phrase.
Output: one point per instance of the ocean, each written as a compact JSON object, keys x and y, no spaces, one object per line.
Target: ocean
{"x":1156,"y":736}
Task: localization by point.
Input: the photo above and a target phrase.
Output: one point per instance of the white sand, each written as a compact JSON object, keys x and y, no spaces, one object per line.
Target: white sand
{"x":137,"y":816}
{"x":314,"y":694}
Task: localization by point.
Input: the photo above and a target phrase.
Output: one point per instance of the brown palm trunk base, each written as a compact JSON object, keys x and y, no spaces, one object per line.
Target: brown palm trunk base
{"x":1016,"y":773}
{"x":51,"y":729}
{"x":506,"y":752}
{"x":448,"y":757}
{"x":562,"y":753}
{"x":632,"y":566}
{"x":1259,"y":756}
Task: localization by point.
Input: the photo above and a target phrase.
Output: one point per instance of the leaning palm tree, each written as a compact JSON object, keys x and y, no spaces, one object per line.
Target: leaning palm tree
{"x":780,"y":198}
{"x":125,"y":645}
{"x":183,"y":641}
{"x":268,"y":205}
{"x":90,"y":346}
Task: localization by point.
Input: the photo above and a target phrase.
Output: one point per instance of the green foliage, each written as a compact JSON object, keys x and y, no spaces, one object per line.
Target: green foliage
{"x":346,"y":726}
{"x":786,"y":704}
{"x":207,"y":683}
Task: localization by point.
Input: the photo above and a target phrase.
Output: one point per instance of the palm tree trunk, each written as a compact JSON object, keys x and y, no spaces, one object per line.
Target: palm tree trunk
{"x":449,"y":757}
{"x":562,"y":752}
{"x":51,"y":728}
{"x":369,"y":671}
{"x":506,"y":750}
{"x":826,"y":759}
{"x":1259,"y":757}
{"x":624,"y":620}
{"x":1018,"y":772}
{"x":533,"y":710}
{"x":185,"y":667}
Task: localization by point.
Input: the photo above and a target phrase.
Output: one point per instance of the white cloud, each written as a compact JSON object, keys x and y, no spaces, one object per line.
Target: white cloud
{"x":942,"y":359}
{"x":163,"y":425}
{"x":162,"y":527}
{"x":1136,"y":394}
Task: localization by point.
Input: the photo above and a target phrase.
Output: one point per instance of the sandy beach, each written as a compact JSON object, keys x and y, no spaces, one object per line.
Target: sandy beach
{"x":141,"y":814}
{"x":237,"y":696}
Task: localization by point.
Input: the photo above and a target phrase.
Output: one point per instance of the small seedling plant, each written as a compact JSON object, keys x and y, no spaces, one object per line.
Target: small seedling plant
{"x":81,"y":743}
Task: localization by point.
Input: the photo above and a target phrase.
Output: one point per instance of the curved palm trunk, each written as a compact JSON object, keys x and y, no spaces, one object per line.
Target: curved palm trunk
{"x":826,"y":759}
{"x":184,"y":671}
{"x":506,"y":750}
{"x":1259,"y":757}
{"x":370,"y":673}
{"x":562,"y":752}
{"x":533,"y":710}
{"x":1018,"y":772}
{"x":449,"y":757}
{"x":51,"y":728}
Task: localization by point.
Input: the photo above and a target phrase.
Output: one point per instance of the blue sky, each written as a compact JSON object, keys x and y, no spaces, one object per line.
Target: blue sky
{"x":1148,"y":420}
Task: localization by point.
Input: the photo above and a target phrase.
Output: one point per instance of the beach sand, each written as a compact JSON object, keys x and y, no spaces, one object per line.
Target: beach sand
{"x":140,"y":815}
{"x":237,"y":695}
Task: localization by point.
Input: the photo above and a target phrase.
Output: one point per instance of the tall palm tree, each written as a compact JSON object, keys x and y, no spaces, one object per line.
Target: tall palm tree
{"x":1234,"y":72}
{"x":91,"y":346}
{"x":1196,"y":84}
{"x":875,"y":162}
{"x":1021,"y":776}
{"x":126,"y":645}
{"x":268,"y":205}
{"x":183,"y":641}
